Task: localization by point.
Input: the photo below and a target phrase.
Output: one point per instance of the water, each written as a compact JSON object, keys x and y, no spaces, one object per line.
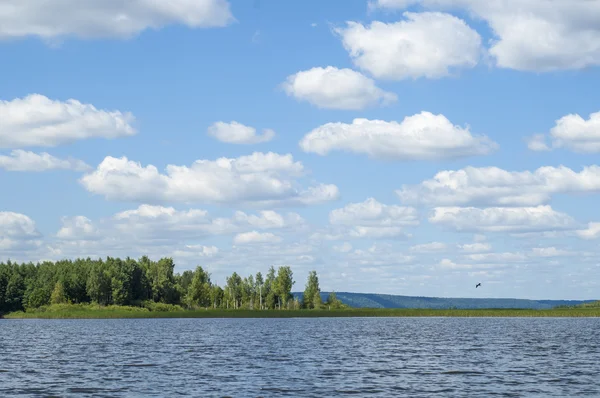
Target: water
{"x":416,"y":357}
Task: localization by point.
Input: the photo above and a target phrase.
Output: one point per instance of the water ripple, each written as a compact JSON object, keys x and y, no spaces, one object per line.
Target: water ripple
{"x":372,"y":357}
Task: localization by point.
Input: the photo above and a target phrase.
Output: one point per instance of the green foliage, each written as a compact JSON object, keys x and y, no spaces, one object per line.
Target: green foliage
{"x":58,"y":294}
{"x":312,"y":292}
{"x":333,"y":302}
{"x":199,"y":290}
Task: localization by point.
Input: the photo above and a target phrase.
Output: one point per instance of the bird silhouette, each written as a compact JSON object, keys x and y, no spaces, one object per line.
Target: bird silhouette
{"x":477,"y":285}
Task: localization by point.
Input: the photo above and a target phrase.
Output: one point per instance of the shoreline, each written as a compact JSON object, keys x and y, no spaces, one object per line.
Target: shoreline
{"x":338,"y":313}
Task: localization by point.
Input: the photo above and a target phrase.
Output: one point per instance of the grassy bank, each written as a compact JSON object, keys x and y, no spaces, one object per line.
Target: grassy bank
{"x":101,"y":312}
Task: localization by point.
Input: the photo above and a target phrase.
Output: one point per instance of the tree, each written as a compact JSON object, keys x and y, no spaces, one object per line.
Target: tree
{"x":334,"y":302}
{"x":311,"y":291}
{"x":58,"y":294}
{"x":99,"y":284}
{"x":199,"y":291}
{"x":283,"y":285}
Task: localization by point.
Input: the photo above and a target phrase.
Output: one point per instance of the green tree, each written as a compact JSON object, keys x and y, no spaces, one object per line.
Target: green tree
{"x":99,"y":284}
{"x":283,"y":285}
{"x":199,"y":291}
{"x":311,"y":291}
{"x":333,"y":301}
{"x":58,"y":294}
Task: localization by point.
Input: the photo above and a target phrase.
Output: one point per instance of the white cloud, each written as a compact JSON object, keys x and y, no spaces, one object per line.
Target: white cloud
{"x":495,"y":186}
{"x":475,"y":247}
{"x":430,"y":45}
{"x":447,"y":264}
{"x":537,"y":143}
{"x":20,"y":160}
{"x":237,"y":133}
{"x":17,"y":232}
{"x":591,"y":232}
{"x":255,"y":237}
{"x":429,"y":247}
{"x":371,"y":219}
{"x":16,"y":225}
{"x":36,"y":120}
{"x":266,"y":179}
{"x":533,"y":35}
{"x":333,"y":88}
{"x":372,"y":213}
{"x":550,"y":252}
{"x":343,"y":248}
{"x":423,"y":136}
{"x":479,"y":238}
{"x":502,"y":219}
{"x":50,"y":19}
{"x":195,"y":251}
{"x":572,"y":132}
{"x":157,"y":222}
{"x":78,"y":228}
{"x":492,"y":258}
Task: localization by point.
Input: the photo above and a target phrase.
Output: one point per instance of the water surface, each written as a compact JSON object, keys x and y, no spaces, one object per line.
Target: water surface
{"x":308,"y":357}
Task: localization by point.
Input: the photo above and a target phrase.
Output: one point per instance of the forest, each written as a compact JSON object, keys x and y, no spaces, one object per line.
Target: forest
{"x":150,"y":284}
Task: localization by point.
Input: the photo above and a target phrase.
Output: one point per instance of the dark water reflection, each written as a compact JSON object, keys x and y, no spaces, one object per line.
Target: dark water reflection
{"x":416,"y":357}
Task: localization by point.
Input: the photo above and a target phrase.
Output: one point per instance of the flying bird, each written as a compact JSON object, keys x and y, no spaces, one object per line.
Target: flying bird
{"x":477,"y":285}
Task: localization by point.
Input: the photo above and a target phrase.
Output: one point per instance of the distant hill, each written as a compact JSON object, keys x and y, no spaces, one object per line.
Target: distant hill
{"x":371,"y":300}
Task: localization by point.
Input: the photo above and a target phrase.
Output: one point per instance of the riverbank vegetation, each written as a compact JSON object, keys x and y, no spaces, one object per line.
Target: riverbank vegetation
{"x":148,"y":286}
{"x":93,"y":311}
{"x":116,"y":288}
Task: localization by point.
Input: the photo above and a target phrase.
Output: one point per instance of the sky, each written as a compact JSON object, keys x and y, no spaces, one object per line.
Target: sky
{"x":412,"y":147}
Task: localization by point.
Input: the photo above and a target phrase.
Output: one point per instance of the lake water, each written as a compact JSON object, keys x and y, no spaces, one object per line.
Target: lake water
{"x":327,"y":357}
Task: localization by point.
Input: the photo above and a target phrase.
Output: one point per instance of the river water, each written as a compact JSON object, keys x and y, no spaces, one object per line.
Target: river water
{"x":326,"y":357}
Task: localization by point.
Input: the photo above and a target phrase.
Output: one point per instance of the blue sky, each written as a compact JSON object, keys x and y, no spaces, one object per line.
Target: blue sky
{"x":475,"y":160}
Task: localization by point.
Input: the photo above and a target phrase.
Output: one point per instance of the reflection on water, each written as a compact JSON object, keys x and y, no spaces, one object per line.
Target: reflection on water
{"x":417,"y":357}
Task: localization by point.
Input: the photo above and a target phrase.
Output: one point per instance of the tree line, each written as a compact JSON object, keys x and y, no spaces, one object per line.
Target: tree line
{"x":144,"y":282}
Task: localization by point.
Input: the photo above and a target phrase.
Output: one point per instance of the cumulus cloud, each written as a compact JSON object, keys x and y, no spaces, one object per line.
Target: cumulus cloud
{"x":255,"y":237}
{"x":36,"y":120}
{"x":237,"y":133}
{"x":195,"y":251}
{"x":371,"y":219}
{"x":572,"y":132}
{"x":20,"y":160}
{"x":537,"y":142}
{"x":88,"y":19}
{"x":550,"y":252}
{"x":475,"y":247}
{"x":591,"y":232}
{"x":78,"y":228}
{"x":266,"y":179}
{"x":429,"y":247}
{"x":495,"y":186}
{"x":423,"y":136}
{"x":17,"y":231}
{"x":533,"y":35}
{"x":429,"y":44}
{"x":502,"y":219}
{"x":334,"y":88}
{"x":158,"y":222}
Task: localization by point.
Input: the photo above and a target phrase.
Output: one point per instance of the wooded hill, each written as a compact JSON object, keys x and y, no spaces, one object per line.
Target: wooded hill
{"x":373,"y":300}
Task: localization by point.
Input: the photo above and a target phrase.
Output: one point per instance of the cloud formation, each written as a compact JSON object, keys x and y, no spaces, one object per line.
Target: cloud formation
{"x":237,"y":133}
{"x":499,"y":187}
{"x":333,"y":88}
{"x":423,"y":136}
{"x":430,"y":45}
{"x":20,"y":160}
{"x":37,"y":121}
{"x":92,"y":19}
{"x":532,"y":35}
{"x":572,"y":132}
{"x":502,"y":219}
{"x":267,"y":179}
